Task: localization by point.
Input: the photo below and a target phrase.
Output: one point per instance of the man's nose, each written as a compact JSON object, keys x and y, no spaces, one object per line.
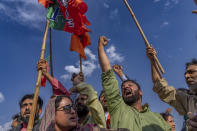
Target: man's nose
{"x":187,"y":75}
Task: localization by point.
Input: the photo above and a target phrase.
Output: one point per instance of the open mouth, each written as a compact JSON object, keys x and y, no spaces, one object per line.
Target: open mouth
{"x":128,"y":93}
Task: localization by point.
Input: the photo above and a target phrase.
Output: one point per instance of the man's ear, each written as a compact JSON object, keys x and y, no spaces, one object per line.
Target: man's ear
{"x":140,"y":92}
{"x":40,"y":112}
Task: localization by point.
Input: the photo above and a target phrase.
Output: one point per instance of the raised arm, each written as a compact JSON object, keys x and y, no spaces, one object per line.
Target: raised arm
{"x":58,"y":88}
{"x":103,"y":59}
{"x":150,"y":52}
{"x":94,"y":105}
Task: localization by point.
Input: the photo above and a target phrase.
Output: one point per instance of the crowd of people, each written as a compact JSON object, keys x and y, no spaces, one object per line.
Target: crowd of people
{"x":113,"y":109}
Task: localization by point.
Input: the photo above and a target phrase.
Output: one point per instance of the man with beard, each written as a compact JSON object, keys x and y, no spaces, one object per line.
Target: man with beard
{"x":126,"y":111}
{"x":25,"y":109}
{"x":88,"y":107}
{"x":183,"y":100}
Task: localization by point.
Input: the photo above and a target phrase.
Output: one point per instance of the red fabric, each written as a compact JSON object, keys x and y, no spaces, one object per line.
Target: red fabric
{"x":74,"y":12}
{"x":108,"y":122}
{"x":43,"y":79}
{"x":45,"y":3}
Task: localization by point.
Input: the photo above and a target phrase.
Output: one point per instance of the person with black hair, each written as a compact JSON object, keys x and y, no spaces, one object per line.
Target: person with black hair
{"x":126,"y":111}
{"x":167,"y":116}
{"x":183,"y":100}
{"x":88,"y":107}
{"x":25,"y":109}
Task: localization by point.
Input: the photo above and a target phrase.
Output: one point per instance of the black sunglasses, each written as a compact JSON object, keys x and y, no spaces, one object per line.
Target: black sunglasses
{"x":66,"y":109}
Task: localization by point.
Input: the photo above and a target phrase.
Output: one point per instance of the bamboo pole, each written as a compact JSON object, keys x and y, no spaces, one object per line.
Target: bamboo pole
{"x":144,"y":37}
{"x":50,"y":46}
{"x":37,"y":87}
{"x":80,"y":63}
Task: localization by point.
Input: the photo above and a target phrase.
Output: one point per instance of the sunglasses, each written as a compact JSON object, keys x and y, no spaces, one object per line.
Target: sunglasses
{"x":66,"y":109}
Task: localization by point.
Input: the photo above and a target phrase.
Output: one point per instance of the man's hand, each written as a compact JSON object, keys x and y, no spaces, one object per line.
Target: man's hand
{"x":77,"y":78}
{"x":41,"y":65}
{"x":103,"y":41}
{"x":192,"y":122}
{"x":118,"y":70}
{"x":151,"y":52}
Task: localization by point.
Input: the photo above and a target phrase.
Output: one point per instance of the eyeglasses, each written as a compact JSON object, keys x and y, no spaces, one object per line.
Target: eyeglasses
{"x":66,"y":109}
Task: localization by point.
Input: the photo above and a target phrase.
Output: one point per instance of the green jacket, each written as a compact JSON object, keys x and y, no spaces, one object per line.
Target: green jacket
{"x":97,"y":115}
{"x":124,"y":116}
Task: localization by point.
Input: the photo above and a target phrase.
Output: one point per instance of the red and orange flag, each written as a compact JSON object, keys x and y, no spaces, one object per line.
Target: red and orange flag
{"x":45,"y":3}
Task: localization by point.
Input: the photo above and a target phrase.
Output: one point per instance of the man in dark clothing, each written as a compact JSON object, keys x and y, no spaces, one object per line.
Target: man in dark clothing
{"x":25,"y":109}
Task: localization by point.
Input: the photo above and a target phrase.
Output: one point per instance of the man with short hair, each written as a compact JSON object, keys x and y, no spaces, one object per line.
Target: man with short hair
{"x":25,"y":109}
{"x":126,"y":111}
{"x":183,"y":100}
{"x":88,"y":107}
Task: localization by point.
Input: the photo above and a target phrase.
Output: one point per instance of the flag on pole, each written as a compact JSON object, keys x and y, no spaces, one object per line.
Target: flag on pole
{"x":78,"y":43}
{"x":69,"y":16}
{"x":45,"y":3}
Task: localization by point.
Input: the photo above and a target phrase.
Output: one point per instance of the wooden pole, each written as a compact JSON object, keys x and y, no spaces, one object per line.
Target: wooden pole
{"x":143,"y":35}
{"x":50,"y":45}
{"x":80,"y":63}
{"x":37,"y":87}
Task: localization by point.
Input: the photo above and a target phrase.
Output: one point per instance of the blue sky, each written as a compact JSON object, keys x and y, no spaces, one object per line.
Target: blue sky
{"x":169,"y":25}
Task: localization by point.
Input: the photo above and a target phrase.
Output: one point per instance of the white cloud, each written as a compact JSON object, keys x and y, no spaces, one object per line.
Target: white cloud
{"x":1,"y":97}
{"x":106,"y":5}
{"x":6,"y":126}
{"x":25,"y":12}
{"x":91,"y":64}
{"x":113,"y":55}
{"x":114,"y":13}
{"x":165,"y":23}
{"x":90,"y":54}
{"x":88,"y":66}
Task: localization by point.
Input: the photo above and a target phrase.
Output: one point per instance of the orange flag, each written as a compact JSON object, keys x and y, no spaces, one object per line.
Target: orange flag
{"x":45,"y":3}
{"x":78,"y":43}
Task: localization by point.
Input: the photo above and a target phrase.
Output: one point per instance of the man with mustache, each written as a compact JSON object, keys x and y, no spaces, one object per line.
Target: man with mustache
{"x":183,"y":100}
{"x":88,"y":107}
{"x":126,"y":111}
{"x":25,"y":109}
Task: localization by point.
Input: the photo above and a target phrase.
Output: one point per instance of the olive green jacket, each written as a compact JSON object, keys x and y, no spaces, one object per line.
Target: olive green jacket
{"x":97,"y":115}
{"x":125,"y":116}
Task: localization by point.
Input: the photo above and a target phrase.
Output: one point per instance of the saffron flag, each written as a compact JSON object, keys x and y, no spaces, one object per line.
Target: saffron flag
{"x":78,"y":43}
{"x":73,"y":11}
{"x":45,"y":3}
{"x":69,"y":15}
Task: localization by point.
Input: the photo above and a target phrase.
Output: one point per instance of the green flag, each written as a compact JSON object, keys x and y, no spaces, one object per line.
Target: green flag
{"x":54,"y":15}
